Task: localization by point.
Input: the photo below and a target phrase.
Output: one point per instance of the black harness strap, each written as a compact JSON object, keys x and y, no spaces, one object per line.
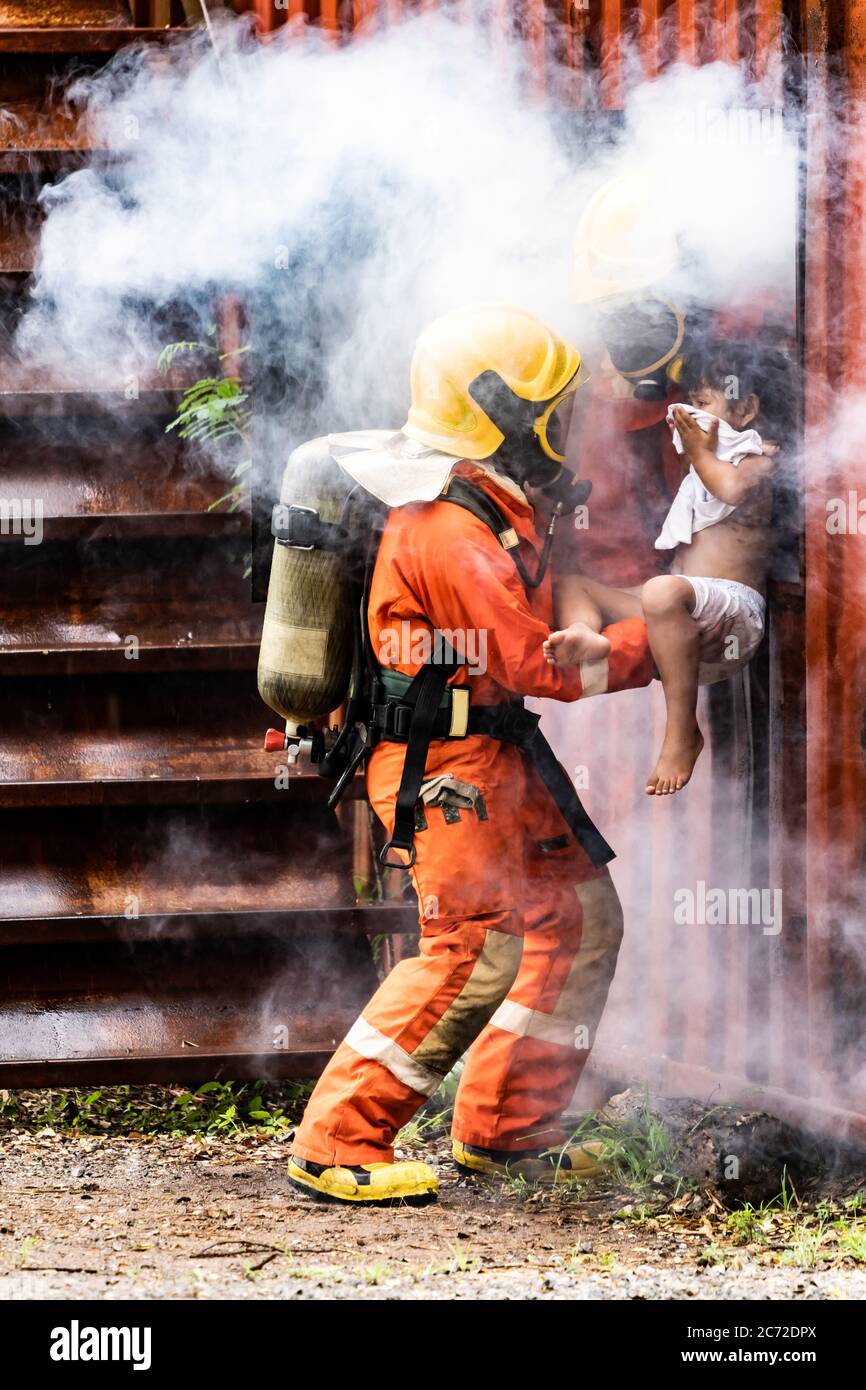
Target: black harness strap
{"x":463,"y":494}
{"x":513,"y":723}
{"x":423,"y":695}
{"x":303,"y":529}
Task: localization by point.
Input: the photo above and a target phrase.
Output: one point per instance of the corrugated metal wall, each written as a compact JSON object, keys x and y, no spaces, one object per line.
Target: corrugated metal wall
{"x":835,"y":360}
{"x":779,"y":801}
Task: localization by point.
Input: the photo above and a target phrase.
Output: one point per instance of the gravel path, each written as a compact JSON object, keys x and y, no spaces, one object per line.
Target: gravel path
{"x":647,"y":1282}
{"x":116,"y":1218}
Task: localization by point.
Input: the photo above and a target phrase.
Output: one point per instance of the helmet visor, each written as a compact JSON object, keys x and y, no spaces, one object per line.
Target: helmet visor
{"x":552,"y":426}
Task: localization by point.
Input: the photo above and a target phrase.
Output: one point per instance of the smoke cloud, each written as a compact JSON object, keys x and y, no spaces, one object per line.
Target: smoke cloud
{"x":352,"y":194}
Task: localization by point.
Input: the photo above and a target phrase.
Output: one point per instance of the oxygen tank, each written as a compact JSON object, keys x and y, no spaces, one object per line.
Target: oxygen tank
{"x":306,"y":652}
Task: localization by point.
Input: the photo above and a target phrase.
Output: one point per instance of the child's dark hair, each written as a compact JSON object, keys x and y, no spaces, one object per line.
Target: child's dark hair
{"x":745,"y":369}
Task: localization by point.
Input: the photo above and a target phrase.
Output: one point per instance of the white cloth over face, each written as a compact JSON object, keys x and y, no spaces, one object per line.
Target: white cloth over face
{"x":695,"y":508}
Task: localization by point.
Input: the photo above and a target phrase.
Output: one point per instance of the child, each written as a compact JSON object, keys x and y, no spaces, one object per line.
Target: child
{"x":719,"y":527}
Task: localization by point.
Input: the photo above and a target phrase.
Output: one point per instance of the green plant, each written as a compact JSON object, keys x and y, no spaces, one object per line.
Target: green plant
{"x":805,"y":1248}
{"x":638,"y":1153}
{"x":461,"y":1262}
{"x":639,"y":1214}
{"x":519,"y":1187}
{"x":217,"y":1107}
{"x":26,"y":1246}
{"x":851,"y":1240}
{"x":420,"y":1129}
{"x":213,"y":409}
{"x":434,"y":1117}
{"x":714,"y":1255}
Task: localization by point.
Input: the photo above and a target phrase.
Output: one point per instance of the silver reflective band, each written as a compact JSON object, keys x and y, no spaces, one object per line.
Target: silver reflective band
{"x":594,"y":676}
{"x":363,"y":1038}
{"x":530,"y":1023}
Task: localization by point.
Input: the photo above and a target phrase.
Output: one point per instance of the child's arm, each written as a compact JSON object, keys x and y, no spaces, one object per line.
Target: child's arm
{"x":730,"y":485}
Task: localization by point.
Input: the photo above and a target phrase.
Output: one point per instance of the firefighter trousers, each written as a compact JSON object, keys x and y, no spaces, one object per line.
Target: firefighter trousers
{"x":519,"y":937}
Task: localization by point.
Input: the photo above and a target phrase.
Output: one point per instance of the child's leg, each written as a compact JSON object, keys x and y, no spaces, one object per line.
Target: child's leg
{"x":587,"y":606}
{"x":668,"y":602}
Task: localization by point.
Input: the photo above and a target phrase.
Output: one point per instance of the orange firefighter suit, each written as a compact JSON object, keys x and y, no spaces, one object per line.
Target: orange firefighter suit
{"x":504,"y":889}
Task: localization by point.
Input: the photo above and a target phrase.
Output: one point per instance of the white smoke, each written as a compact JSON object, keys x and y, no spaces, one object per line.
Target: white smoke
{"x":360,"y":191}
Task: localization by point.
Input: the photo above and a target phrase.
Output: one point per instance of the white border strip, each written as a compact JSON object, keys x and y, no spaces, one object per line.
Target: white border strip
{"x":530,"y":1023}
{"x":595,"y":676}
{"x":363,"y":1038}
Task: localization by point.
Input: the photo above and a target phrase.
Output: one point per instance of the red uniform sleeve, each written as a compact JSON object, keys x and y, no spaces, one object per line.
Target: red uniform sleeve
{"x":466,"y":580}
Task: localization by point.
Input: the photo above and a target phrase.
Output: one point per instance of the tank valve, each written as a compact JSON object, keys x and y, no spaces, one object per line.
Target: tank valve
{"x":313,"y":744}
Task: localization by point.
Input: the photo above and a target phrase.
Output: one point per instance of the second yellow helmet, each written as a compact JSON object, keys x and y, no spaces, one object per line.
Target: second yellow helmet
{"x":625,"y":240}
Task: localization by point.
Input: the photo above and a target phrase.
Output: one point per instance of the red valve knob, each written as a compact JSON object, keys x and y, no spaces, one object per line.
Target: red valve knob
{"x":275,"y":741}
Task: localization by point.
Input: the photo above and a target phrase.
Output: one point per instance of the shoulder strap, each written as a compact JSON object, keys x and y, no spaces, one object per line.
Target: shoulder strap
{"x":464,"y":494}
{"x":474,"y":500}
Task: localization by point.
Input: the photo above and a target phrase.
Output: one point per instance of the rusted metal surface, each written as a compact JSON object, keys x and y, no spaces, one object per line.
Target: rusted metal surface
{"x":835,"y":357}
{"x":173,"y":901}
{"x":19,"y":233}
{"x":40,"y":130}
{"x":99,"y":738}
{"x":85,"y":27}
{"x":219,"y":1002}
{"x":37,"y":14}
{"x":123,"y":482}
{"x":57,"y":39}
{"x":160,"y":861}
{"x":184,"y":595}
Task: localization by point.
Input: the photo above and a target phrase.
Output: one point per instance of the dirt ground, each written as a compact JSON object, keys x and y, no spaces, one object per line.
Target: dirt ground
{"x":117,"y":1216}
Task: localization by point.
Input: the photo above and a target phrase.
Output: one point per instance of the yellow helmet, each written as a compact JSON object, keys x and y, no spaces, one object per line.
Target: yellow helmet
{"x":625,"y":240}
{"x":532,"y":360}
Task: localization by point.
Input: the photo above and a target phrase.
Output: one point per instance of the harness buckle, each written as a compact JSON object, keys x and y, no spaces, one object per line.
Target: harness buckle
{"x":389,"y":849}
{"x":291,"y":525}
{"x":392,"y":719}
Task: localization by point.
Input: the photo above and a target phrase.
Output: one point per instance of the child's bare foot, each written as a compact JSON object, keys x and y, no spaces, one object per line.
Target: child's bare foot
{"x":575,"y":644}
{"x":676,"y":762}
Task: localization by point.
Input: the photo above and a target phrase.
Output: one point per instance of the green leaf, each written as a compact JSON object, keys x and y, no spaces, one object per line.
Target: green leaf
{"x":173,"y":350}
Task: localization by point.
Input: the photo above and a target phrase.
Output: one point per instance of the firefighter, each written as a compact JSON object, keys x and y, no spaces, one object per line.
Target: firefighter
{"x":625,"y":259}
{"x":508,"y":870}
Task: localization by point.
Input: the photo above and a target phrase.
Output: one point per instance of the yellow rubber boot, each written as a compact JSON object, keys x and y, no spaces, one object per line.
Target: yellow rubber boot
{"x":574,"y":1163}
{"x":377,"y":1184}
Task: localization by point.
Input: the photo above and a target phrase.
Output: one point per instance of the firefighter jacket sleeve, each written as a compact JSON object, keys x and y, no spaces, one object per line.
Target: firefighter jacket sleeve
{"x":465,"y":580}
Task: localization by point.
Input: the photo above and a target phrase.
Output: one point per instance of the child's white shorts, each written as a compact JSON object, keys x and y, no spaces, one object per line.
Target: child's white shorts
{"x":720,"y":599}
